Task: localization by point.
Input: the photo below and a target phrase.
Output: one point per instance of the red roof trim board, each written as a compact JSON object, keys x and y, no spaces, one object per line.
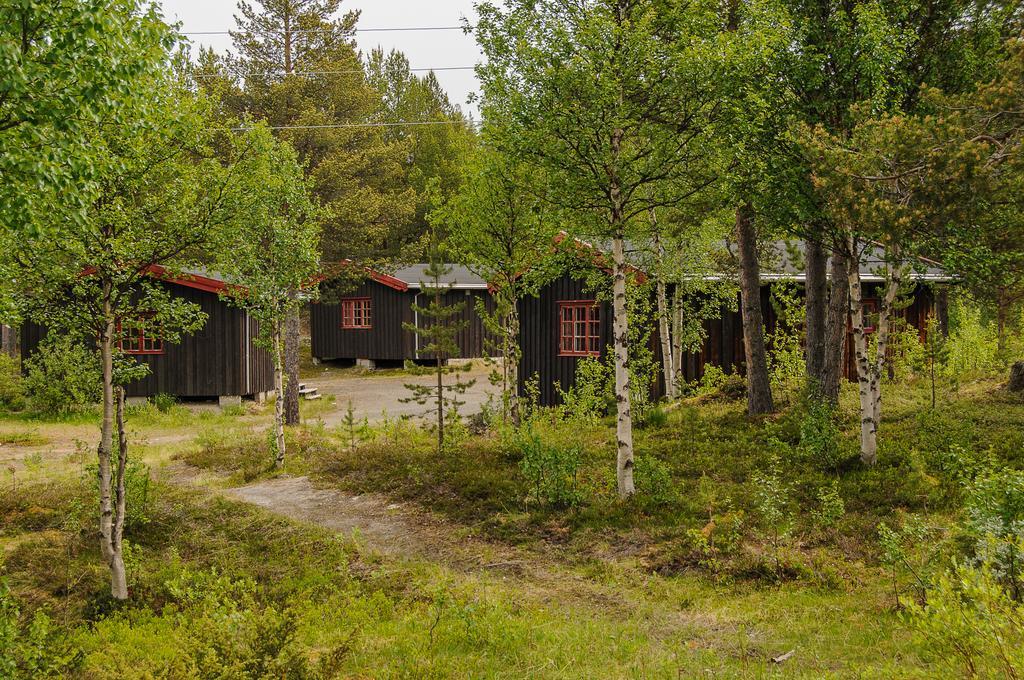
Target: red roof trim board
{"x":384,"y":279}
{"x":204,"y":283}
{"x":197,"y":281}
{"x":600,"y":257}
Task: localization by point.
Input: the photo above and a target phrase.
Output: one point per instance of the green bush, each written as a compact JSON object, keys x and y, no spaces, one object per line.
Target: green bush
{"x":63,"y":376}
{"x":995,"y":511}
{"x":715,"y":383}
{"x":972,"y":625}
{"x":32,"y":648}
{"x":591,"y":395}
{"x":164,"y":402}
{"x":653,"y":481}
{"x":830,"y":507}
{"x":819,"y":435}
{"x":218,"y":627}
{"x":550,"y":471}
{"x":12,"y":391}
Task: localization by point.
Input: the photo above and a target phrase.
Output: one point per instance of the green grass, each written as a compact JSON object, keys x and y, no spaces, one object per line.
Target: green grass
{"x":605,"y":589}
{"x":368,"y":617}
{"x":20,"y":437}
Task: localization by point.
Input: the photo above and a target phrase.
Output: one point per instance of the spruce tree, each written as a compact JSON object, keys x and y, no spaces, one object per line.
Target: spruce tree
{"x":439,"y":328}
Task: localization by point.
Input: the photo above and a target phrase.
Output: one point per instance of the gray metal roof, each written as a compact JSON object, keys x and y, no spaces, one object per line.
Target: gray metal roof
{"x":785,"y":260}
{"x":458,"y":277}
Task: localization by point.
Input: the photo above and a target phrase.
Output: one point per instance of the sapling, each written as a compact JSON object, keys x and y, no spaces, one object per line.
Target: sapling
{"x":772,"y":498}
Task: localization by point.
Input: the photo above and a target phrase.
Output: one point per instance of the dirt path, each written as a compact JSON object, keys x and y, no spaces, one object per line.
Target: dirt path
{"x":369,"y":519}
{"x":374,"y":396}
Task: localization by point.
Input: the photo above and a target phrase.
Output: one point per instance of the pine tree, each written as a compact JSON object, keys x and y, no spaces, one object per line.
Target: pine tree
{"x":440,"y":328}
{"x":296,"y":67}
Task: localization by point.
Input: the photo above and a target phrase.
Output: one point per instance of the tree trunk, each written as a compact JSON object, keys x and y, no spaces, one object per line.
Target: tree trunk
{"x":677,"y":338}
{"x":620,"y":331}
{"x":279,"y":388}
{"x":9,"y":344}
{"x":942,"y":308}
{"x":759,"y":391}
{"x":1002,"y":314}
{"x":291,"y":363}
{"x":865,"y":388}
{"x":869,"y":371}
{"x":511,"y":360}
{"x":120,"y":497}
{"x":440,"y":378}
{"x":835,"y":328}
{"x":816,"y":302}
{"x":110,"y":545}
{"x":664,"y":313}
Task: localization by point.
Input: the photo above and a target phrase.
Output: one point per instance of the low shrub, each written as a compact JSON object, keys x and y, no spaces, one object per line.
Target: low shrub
{"x":819,"y":435}
{"x":62,"y":376}
{"x":550,"y":471}
{"x":971,"y":625}
{"x":591,"y":395}
{"x":995,"y":511}
{"x":653,"y":480}
{"x":12,"y":389}
{"x":164,"y":402}
{"x":830,"y":507}
{"x":33,"y":647}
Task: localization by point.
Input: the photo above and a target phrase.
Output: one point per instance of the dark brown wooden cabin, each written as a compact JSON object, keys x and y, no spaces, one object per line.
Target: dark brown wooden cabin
{"x":553,"y":340}
{"x":219,"y":360}
{"x":365,"y":324}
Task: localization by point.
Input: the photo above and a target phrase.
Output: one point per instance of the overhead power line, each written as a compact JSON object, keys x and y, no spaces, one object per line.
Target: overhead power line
{"x":319,"y":73}
{"x":354,"y":30}
{"x":335,"y":126}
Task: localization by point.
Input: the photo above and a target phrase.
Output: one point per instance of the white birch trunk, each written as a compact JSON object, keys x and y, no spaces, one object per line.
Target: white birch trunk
{"x":869,"y":370}
{"x":664,"y":314}
{"x":279,"y":444}
{"x":865,"y":388}
{"x":110,"y":544}
{"x":677,"y":339}
{"x":885,"y":316}
{"x":620,"y":331}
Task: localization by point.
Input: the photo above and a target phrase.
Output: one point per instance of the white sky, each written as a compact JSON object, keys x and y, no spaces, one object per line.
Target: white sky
{"x":425,"y":49}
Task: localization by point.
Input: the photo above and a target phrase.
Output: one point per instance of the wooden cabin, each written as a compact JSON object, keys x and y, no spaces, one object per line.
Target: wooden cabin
{"x":220,"y":361}
{"x":365,"y":324}
{"x":566,"y":321}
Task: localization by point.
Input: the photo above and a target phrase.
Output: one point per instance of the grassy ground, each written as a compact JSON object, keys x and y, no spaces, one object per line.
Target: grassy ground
{"x":687,"y":580}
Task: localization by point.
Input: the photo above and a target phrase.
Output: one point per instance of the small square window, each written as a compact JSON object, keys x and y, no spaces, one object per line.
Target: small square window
{"x":579,"y":324}
{"x":141,"y":336}
{"x":355,"y":313}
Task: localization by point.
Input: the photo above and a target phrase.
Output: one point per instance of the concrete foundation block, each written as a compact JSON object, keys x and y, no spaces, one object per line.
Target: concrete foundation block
{"x":135,"y":401}
{"x":226,"y":400}
{"x":366,"y":363}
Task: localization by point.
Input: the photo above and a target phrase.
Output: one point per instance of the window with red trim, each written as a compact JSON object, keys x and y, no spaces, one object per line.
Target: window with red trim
{"x":140,"y":337}
{"x":870,"y":314}
{"x":579,"y":328}
{"x":355,"y":313}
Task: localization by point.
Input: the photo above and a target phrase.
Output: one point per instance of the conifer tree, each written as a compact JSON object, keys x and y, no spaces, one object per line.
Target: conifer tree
{"x":439,"y":329}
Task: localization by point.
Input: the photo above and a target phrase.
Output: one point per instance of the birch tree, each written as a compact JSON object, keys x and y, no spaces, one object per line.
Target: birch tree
{"x":897,"y":180}
{"x":296,"y":67}
{"x":613,"y":100}
{"x":270,"y":252}
{"x":63,"y":65}
{"x":499,"y":225}
{"x":156,"y":198}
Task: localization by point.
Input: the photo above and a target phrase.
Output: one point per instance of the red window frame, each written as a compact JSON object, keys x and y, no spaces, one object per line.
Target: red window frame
{"x":579,"y":328}
{"x":132,"y":338}
{"x":871,"y":306}
{"x":356,"y":313}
